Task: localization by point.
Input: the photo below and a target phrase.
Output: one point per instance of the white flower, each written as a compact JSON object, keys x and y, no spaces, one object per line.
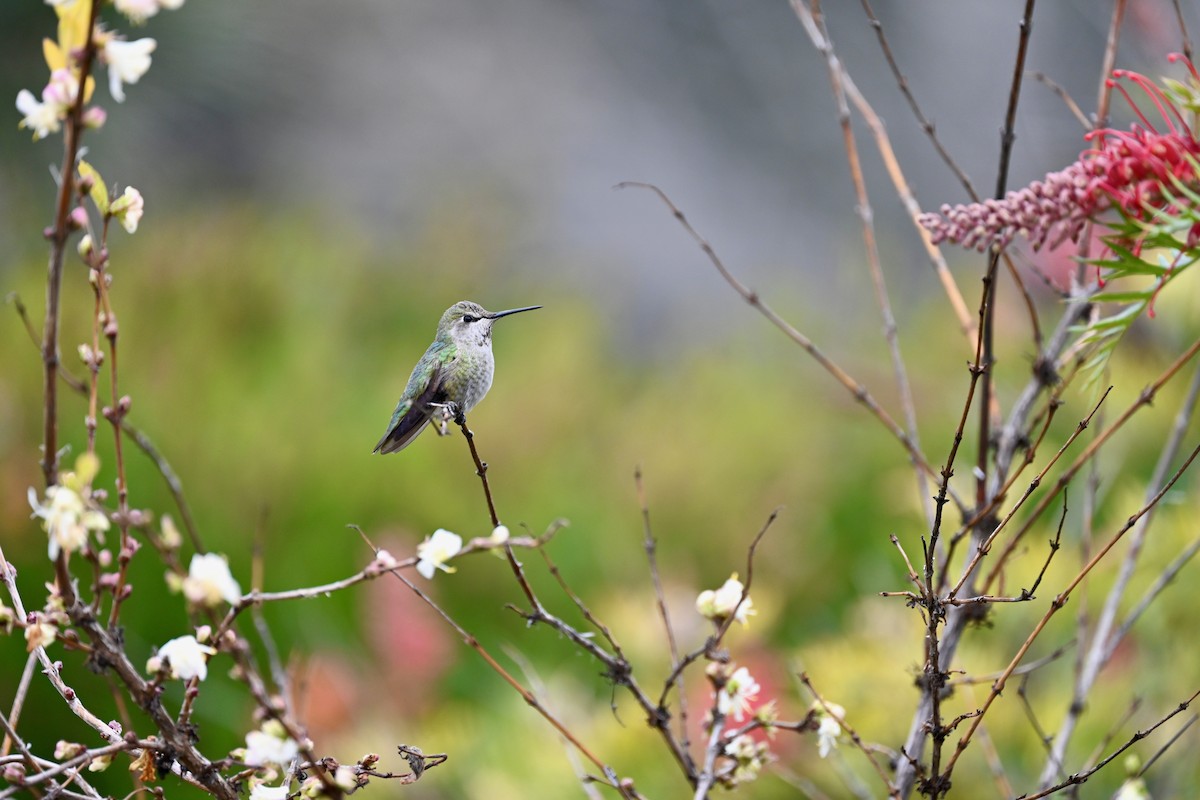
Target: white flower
{"x":270,"y":745}
{"x":41,"y":118}
{"x":1133,"y":789}
{"x":499,"y":535}
{"x":209,"y":581}
{"x":261,"y":791}
{"x":188,"y":658}
{"x":138,"y":11}
{"x":435,"y":551}
{"x":749,"y":756}
{"x":127,"y":209}
{"x":829,"y":730}
{"x":719,"y":604}
{"x":67,"y":519}
{"x":385,"y":559}
{"x":171,"y":5}
{"x":738,"y":692}
{"x":127,"y":62}
{"x":345,"y":778}
{"x":39,"y":634}
{"x":45,"y":116}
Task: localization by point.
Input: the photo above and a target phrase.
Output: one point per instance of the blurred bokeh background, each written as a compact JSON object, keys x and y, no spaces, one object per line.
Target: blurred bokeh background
{"x":323,"y":179}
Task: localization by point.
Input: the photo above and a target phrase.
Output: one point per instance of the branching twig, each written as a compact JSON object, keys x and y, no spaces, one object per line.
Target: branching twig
{"x":858,"y":390}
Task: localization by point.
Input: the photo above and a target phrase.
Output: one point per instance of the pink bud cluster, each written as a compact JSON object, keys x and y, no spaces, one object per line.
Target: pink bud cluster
{"x":1128,"y":170}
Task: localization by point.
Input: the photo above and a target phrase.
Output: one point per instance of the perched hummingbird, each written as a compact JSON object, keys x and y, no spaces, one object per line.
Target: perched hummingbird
{"x":451,"y":378}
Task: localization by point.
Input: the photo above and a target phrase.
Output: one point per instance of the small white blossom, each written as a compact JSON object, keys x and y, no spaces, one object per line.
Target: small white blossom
{"x":64,"y":749}
{"x":66,"y":519}
{"x":436,"y":550}
{"x":261,"y":791}
{"x":45,"y":116}
{"x":187,"y":657}
{"x":737,"y":694}
{"x":1133,"y":789}
{"x":40,"y":634}
{"x":344,"y":777}
{"x":723,"y":602}
{"x":270,"y":744}
{"x":40,"y":117}
{"x":385,"y":559}
{"x":829,"y":730}
{"x":100,"y":763}
{"x":499,"y":535}
{"x":138,"y":11}
{"x":127,"y":62}
{"x":209,"y":581}
{"x":127,"y":209}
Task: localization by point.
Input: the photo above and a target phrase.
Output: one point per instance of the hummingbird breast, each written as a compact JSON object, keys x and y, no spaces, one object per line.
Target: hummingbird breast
{"x":470,"y":376}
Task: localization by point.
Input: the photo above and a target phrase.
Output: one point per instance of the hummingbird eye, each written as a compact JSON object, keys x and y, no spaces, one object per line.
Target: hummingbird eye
{"x":469,"y":318}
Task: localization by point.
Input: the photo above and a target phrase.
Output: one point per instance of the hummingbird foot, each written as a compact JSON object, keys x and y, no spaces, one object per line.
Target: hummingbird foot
{"x":442,"y":414}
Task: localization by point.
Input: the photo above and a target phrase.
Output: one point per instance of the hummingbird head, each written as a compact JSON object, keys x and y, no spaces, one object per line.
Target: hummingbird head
{"x":471,"y":323}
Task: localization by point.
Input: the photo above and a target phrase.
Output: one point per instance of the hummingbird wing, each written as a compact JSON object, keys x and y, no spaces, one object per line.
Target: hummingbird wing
{"x":412,"y":413}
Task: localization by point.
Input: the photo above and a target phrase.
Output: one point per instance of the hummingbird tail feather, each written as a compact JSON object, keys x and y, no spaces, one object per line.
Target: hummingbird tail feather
{"x":401,"y":436}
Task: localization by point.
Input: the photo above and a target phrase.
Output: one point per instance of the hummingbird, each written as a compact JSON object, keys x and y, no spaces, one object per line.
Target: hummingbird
{"x":451,"y":378}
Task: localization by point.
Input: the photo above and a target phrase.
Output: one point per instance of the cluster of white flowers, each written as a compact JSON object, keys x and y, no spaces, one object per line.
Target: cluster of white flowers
{"x":727,"y":601}
{"x":67,"y":513}
{"x":45,"y":117}
{"x":749,"y":757}
{"x":67,"y":519}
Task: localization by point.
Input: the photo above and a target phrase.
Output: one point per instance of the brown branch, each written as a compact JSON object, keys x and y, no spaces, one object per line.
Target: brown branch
{"x":1065,"y":96}
{"x":1081,"y":777}
{"x":58,"y":234}
{"x":1143,"y":400}
{"x":481,"y":469}
{"x":1057,"y":604}
{"x":814,"y":24}
{"x":650,"y":545}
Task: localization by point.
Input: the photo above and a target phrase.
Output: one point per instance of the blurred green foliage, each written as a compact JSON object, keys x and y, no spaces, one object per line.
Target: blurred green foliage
{"x":264,"y":354}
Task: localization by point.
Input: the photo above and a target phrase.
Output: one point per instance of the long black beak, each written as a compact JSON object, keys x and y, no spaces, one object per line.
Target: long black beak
{"x":499,"y":314}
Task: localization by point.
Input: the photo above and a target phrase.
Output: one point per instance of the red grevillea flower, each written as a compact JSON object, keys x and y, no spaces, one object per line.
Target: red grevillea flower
{"x":1124,"y":169}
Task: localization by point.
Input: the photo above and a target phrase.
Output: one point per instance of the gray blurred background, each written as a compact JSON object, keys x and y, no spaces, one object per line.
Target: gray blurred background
{"x":520,"y":115}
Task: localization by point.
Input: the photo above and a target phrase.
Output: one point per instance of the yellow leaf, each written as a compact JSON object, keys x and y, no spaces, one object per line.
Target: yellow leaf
{"x":55,"y":59}
{"x":73,"y":22}
{"x":99,"y":192}
{"x":89,"y":86}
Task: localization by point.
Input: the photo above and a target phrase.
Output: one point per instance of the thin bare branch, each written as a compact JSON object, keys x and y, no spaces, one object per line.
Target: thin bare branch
{"x":858,"y":390}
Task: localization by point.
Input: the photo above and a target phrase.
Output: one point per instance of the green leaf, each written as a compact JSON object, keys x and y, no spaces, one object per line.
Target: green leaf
{"x":99,"y":192}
